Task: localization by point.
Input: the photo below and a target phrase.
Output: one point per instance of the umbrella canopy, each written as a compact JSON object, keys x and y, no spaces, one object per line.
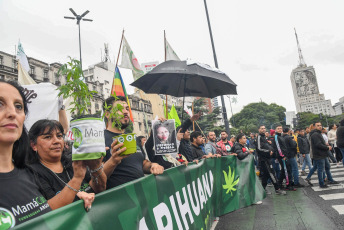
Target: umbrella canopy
{"x":182,"y":79}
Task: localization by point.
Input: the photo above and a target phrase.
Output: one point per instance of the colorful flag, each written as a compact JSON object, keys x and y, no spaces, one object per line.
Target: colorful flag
{"x":118,"y":88}
{"x":170,"y":54}
{"x":129,"y":61}
{"x":174,"y":115}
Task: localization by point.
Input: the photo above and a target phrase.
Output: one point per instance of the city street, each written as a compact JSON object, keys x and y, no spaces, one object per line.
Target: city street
{"x":306,"y":208}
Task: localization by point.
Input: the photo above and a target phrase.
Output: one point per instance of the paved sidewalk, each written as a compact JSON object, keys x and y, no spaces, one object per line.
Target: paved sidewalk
{"x":292,"y":211}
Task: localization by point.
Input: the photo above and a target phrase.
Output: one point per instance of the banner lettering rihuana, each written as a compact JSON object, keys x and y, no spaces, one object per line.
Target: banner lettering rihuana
{"x":182,"y":198}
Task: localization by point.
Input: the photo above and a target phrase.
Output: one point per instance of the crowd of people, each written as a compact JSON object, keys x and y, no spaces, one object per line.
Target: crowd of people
{"x":38,"y":175}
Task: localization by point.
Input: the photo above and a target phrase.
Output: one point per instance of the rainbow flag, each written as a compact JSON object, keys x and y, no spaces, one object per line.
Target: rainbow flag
{"x":119,"y":89}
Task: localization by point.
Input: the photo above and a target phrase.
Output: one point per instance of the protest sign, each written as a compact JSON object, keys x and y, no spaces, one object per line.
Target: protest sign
{"x":42,"y":101}
{"x":164,"y":135}
{"x":185,"y":197}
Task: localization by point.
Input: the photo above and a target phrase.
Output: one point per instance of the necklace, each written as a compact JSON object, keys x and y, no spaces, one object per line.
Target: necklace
{"x":56,"y":174}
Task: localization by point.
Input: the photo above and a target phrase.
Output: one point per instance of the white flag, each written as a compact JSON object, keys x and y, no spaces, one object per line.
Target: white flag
{"x":129,"y":61}
{"x":23,"y":76}
{"x":42,"y":102}
{"x":170,"y":54}
{"x":187,"y":110}
{"x":21,"y":56}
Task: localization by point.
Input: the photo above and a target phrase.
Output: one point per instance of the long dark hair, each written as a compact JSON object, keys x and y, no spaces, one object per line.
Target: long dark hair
{"x":39,"y":128}
{"x":21,"y":146}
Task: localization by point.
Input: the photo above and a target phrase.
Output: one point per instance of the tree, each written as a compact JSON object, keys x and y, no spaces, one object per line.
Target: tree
{"x":207,"y":122}
{"x":255,"y":114}
{"x":308,"y":118}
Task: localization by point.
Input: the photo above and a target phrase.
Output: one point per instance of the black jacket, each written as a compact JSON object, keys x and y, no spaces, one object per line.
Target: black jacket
{"x":340,"y":137}
{"x":282,"y":145}
{"x":197,"y":153}
{"x":263,"y":148}
{"x":241,"y":150}
{"x":291,"y":146}
{"x":303,"y":144}
{"x":319,"y":147}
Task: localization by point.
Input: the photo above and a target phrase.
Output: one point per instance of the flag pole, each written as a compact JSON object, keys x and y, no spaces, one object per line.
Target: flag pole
{"x":193,"y":123}
{"x":119,"y":51}
{"x":165,"y":60}
{"x":120,"y":46}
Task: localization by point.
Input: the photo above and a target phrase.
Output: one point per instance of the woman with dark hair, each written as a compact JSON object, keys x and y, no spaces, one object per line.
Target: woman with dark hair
{"x":20,"y":197}
{"x":162,"y":133}
{"x":62,"y":181}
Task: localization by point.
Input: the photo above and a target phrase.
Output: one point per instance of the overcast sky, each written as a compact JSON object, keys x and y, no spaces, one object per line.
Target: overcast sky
{"x":254,"y":40}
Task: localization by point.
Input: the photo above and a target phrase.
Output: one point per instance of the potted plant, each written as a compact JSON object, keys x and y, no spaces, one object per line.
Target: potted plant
{"x":88,"y":129}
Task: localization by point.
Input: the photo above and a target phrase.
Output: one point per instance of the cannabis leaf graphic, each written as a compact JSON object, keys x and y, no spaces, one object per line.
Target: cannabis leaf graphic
{"x":229,"y":179}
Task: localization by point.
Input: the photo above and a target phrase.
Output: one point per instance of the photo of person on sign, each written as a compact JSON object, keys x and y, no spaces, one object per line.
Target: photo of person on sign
{"x":164,"y":134}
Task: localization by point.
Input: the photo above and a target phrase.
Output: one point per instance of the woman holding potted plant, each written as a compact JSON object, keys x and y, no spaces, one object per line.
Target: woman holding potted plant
{"x":60,"y":179}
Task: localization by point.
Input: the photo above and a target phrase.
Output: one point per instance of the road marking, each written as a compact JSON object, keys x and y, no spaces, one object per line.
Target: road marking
{"x":334,"y":196}
{"x":332,"y":174}
{"x":332,"y":169}
{"x":339,"y":179}
{"x":331,"y":187}
{"x":339,"y":209}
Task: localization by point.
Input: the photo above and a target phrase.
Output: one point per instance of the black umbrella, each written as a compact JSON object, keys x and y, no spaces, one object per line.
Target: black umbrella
{"x":177,"y":78}
{"x":182,"y":79}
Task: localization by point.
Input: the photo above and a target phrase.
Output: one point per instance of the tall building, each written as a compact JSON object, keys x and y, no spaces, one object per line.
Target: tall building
{"x":306,"y":90}
{"x":339,"y":107}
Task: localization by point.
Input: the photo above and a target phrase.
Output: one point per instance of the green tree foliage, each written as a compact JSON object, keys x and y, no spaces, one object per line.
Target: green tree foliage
{"x":255,"y":114}
{"x":207,"y":122}
{"x":308,"y":118}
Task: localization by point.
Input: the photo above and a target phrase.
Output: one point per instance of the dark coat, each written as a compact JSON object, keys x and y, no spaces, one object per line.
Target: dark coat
{"x":241,"y":150}
{"x":319,"y":147}
{"x":303,"y":144}
{"x":282,"y":145}
{"x":291,"y":146}
{"x":149,"y":145}
{"x":263,"y":148}
{"x":197,"y":153}
{"x":340,"y":137}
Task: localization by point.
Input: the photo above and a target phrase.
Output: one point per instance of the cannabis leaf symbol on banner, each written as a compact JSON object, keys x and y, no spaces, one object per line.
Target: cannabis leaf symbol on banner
{"x":229,"y":179}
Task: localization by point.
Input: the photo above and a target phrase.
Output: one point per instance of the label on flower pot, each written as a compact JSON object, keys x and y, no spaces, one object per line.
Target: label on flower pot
{"x":129,"y":141}
{"x":89,"y":141}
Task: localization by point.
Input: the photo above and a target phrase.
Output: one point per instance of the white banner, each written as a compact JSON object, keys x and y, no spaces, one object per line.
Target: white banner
{"x":42,"y":103}
{"x":170,"y":54}
{"x":21,"y":56}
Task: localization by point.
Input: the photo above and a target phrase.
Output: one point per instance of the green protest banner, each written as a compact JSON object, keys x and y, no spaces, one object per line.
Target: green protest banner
{"x":185,"y":197}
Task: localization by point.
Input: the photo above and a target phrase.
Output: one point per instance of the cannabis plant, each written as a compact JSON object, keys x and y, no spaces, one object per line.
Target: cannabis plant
{"x":75,"y":87}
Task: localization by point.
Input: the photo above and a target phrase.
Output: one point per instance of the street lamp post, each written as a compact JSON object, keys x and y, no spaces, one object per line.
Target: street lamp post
{"x":78,"y":19}
{"x":224,"y":111}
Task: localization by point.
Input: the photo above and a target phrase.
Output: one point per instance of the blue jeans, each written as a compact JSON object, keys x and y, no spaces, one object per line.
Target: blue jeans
{"x":294,"y":170}
{"x":321,"y":164}
{"x":306,"y":161}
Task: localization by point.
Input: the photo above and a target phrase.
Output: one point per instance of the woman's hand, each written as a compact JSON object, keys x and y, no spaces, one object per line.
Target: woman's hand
{"x":88,"y":199}
{"x":79,"y":169}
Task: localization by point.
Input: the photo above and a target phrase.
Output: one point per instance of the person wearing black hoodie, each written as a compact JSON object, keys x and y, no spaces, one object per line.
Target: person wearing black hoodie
{"x":281,"y":151}
{"x":340,"y":138}
{"x":320,"y":153}
{"x":304,"y":150}
{"x":265,"y":151}
{"x":292,"y":150}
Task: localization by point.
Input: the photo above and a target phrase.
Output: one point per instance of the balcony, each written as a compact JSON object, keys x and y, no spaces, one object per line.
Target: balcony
{"x":46,"y":79}
{"x":33,"y":75}
{"x":8,"y":69}
{"x":57,"y":83}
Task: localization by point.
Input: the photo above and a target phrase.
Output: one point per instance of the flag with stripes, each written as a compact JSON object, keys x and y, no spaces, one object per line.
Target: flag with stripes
{"x":118,"y":88}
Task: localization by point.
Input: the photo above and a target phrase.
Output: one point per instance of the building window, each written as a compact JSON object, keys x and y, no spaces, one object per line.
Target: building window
{"x":97,"y":106}
{"x":1,"y":60}
{"x":14,"y":64}
{"x":45,"y":74}
{"x":106,"y":82}
{"x":2,"y":77}
{"x":32,"y":70}
{"x":94,"y":88}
